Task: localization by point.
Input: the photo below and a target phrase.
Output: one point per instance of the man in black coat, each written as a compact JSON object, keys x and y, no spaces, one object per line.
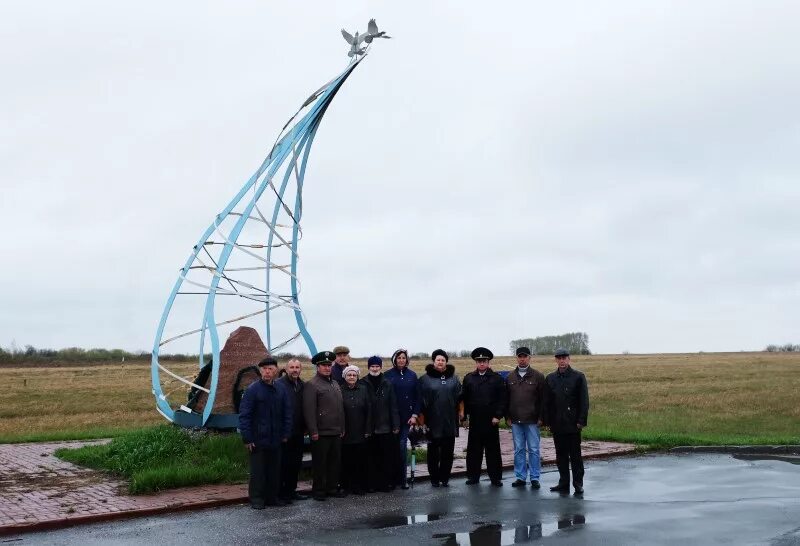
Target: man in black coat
{"x":484,"y":404}
{"x":566,"y":402}
{"x":382,"y":444}
{"x":292,"y":450}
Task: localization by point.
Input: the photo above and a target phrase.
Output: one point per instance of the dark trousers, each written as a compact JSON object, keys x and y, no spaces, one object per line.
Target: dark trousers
{"x":354,"y":467}
{"x":382,"y":454}
{"x":291,"y":461}
{"x":265,"y":471}
{"x":483,"y":436}
{"x":402,"y":460}
{"x":568,"y":451}
{"x":325,"y":459}
{"x":440,"y":459}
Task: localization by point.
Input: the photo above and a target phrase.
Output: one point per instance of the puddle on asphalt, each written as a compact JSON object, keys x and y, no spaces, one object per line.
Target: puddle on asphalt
{"x":496,"y":534}
{"x":398,"y":521}
{"x":794,"y":459}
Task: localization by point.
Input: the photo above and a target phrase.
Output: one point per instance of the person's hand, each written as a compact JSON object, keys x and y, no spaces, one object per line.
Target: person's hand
{"x":314,"y":437}
{"x":366,"y":435}
{"x":396,"y":431}
{"x":250,"y":447}
{"x":460,"y":416}
{"x":412,"y":421}
{"x":580,"y":426}
{"x":495,"y":421}
{"x":540,"y":423}
{"x":341,"y":435}
{"x":284,"y":440}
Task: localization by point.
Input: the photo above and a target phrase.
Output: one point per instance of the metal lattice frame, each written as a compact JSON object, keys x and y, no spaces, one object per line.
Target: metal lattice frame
{"x":236,"y":256}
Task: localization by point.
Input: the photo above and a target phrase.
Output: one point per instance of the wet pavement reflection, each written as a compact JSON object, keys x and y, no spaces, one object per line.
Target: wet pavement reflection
{"x":498,"y":534}
{"x":794,"y":459}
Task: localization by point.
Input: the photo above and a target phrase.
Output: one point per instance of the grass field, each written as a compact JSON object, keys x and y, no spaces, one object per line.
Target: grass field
{"x":655,"y":400}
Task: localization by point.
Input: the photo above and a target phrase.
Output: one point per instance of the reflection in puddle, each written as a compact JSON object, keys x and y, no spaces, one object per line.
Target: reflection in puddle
{"x":397,"y":521}
{"x":494,"y":534}
{"x":794,"y":459}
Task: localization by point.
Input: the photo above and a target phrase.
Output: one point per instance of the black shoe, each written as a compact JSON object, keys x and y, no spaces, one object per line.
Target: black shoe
{"x":404,"y":486}
{"x":445,"y":484}
{"x":579,"y":490}
{"x":435,"y":484}
{"x":359,"y":492}
{"x":497,"y":483}
{"x":338,"y":494}
{"x":518,"y":483}
{"x":299,"y":497}
{"x":535,"y":484}
{"x":319,"y":497}
{"x":560,"y":488}
{"x":257,"y":506}
{"x":471,"y":481}
{"x":286,"y":500}
{"x":276,"y":502}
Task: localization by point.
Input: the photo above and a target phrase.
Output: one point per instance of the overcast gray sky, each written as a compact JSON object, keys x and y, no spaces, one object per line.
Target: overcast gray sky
{"x":627,"y":169}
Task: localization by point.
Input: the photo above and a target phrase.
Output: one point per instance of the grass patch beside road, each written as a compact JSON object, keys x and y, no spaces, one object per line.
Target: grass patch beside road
{"x":165,"y":457}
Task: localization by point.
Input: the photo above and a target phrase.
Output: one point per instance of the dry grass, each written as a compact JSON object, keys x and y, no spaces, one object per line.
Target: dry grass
{"x":652,"y":399}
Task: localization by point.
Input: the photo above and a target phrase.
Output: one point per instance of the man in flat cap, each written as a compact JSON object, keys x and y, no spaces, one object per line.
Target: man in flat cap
{"x":265,"y":422}
{"x":566,"y":411}
{"x":484,"y":406}
{"x":342,"y":361}
{"x":324,"y":413}
{"x":525,"y":396}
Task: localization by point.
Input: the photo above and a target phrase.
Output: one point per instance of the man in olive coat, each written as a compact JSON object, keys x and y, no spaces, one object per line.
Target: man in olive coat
{"x":525,"y":396}
{"x":323,"y":410}
{"x":566,"y":413}
{"x":484,"y":405}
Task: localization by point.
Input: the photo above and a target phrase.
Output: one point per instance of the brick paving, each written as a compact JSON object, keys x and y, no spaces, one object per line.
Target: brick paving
{"x":39,"y":491}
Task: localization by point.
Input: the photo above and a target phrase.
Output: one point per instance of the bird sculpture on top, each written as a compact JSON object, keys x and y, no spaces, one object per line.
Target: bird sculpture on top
{"x":356,"y":41}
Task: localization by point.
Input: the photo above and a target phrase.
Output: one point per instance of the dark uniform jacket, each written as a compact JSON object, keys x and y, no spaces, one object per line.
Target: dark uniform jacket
{"x":385,"y":417}
{"x":357,"y":413}
{"x":525,"y":396}
{"x":406,"y":391}
{"x":295,"y":392}
{"x":566,"y":401}
{"x":322,"y":406}
{"x":440,"y":393}
{"x":265,"y":415}
{"x":484,"y":396}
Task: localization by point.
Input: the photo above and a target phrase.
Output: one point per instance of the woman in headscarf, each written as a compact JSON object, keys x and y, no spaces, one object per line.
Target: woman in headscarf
{"x":357,"y":427}
{"x":440,"y":392}
{"x":404,"y":381}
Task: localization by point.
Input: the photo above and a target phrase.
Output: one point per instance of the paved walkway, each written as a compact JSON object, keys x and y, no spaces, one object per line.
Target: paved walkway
{"x":39,"y":491}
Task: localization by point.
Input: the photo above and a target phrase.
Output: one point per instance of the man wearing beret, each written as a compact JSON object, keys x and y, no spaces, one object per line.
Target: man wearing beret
{"x":525,"y":397}
{"x":484,"y":405}
{"x":324,"y":413}
{"x":265,"y":422}
{"x":566,"y":411}
{"x":342,"y":361}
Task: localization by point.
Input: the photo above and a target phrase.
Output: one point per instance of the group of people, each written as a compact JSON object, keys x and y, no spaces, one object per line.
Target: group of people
{"x":359,"y":426}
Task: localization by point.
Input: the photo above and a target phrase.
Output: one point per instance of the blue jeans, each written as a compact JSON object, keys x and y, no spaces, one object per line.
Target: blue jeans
{"x":526,"y":451}
{"x":401,"y":470}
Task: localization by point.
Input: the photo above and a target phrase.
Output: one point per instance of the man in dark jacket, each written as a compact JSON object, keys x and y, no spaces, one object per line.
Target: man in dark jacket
{"x":323,"y":410}
{"x":292,"y":451}
{"x":382,"y":444}
{"x":404,"y":380}
{"x":484,"y":406}
{"x":525,"y":396}
{"x":342,"y":361}
{"x":265,"y":421}
{"x":566,"y":412}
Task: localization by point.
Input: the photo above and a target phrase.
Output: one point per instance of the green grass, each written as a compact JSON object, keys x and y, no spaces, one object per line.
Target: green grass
{"x":165,"y":457}
{"x":95,"y":433}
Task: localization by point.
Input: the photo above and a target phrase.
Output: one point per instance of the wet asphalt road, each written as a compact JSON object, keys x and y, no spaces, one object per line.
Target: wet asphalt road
{"x":660,"y":499}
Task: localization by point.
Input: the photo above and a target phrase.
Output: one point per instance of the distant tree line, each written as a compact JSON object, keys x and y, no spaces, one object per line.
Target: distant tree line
{"x":787,"y":348}
{"x":30,"y":354}
{"x":577,"y":343}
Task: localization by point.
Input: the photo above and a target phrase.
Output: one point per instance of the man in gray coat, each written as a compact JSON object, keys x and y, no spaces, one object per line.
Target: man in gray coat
{"x":324,"y":414}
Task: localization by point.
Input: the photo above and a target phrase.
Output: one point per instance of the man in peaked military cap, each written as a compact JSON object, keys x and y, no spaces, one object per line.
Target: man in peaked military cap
{"x":484,"y":404}
{"x":323,"y":410}
{"x":566,"y":410}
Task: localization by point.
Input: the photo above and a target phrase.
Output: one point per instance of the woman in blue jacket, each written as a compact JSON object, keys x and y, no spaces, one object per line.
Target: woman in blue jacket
{"x":404,"y":381}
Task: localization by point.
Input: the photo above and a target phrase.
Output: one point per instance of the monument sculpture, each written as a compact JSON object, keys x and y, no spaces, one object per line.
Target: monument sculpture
{"x":243,"y":271}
